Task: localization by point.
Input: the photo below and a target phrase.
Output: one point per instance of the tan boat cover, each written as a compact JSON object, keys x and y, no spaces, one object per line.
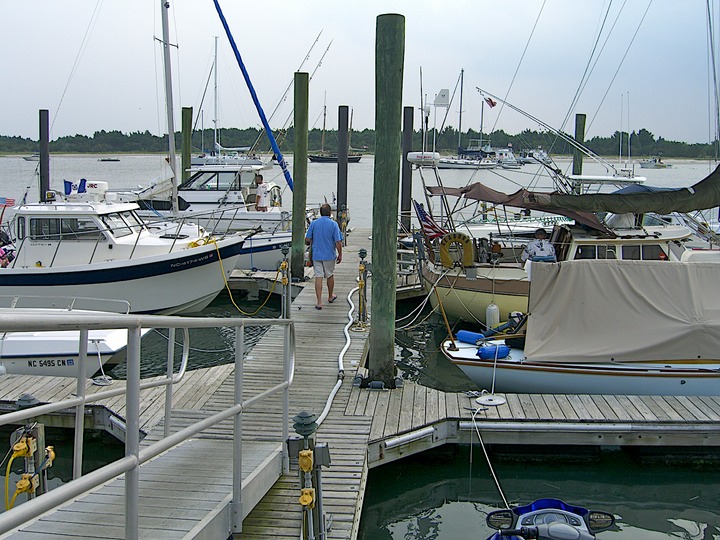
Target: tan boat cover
{"x":623,"y":311}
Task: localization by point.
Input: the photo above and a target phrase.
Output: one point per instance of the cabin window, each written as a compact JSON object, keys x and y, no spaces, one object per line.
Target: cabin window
{"x":595,"y":252}
{"x":21,"y":228}
{"x":62,"y":229}
{"x":44,"y":229}
{"x":79,"y":229}
{"x":653,"y":252}
{"x":606,"y":252}
{"x":631,"y":253}
{"x":585,"y":252}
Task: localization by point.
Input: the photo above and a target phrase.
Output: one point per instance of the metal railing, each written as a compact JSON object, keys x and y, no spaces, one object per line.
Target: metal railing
{"x":134,"y":457}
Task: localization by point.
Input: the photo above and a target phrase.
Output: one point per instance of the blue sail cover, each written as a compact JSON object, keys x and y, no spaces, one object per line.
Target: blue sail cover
{"x":266,"y":125}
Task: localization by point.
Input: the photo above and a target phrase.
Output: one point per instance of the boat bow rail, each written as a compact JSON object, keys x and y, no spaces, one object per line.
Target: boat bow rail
{"x":134,"y":457}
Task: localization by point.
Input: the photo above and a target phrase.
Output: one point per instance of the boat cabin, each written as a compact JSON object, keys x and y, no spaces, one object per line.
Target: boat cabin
{"x":236,"y":186}
{"x":71,"y":233}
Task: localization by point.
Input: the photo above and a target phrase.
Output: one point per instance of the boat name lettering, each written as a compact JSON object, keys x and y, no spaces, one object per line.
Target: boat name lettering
{"x":192,"y":261}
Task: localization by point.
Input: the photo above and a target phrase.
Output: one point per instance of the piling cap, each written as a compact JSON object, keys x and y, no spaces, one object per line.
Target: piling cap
{"x":304,"y":423}
{"x":26,"y":401}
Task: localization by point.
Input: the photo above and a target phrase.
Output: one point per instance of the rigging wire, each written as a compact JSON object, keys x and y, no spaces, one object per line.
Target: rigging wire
{"x":714,"y":80}
{"x":627,"y":50}
{"x":588,"y":69}
{"x":517,"y":69}
{"x":76,"y":63}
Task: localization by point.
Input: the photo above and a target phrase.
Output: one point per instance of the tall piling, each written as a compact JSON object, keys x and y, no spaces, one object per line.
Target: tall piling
{"x":577,"y":154}
{"x":389,"y":57}
{"x":342,"y":163}
{"x":406,"y":191}
{"x":44,"y":154}
{"x":186,"y":142}
{"x":300,"y":161}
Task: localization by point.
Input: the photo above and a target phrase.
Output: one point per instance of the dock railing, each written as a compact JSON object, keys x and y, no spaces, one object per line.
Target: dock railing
{"x":134,"y":457}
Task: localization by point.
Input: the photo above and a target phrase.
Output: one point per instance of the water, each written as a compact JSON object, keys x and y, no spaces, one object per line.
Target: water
{"x":440,"y":496}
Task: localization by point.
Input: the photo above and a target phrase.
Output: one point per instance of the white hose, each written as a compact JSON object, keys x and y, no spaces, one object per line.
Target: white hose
{"x":341,"y":368}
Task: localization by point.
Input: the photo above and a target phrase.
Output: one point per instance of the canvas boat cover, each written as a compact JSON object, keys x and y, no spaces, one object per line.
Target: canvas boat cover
{"x":581,"y":208}
{"x":701,"y":196}
{"x":522,"y":198}
{"x":623,"y":311}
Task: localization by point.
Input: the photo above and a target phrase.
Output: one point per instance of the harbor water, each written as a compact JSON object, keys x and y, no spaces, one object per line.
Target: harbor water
{"x":446,"y":494}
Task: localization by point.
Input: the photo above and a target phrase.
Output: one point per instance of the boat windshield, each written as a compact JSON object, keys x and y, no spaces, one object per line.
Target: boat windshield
{"x":122,"y":223}
{"x":213,"y":181}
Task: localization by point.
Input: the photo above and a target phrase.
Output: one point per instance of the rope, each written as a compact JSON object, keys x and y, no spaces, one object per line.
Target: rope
{"x":227,"y":286}
{"x":487,"y":458}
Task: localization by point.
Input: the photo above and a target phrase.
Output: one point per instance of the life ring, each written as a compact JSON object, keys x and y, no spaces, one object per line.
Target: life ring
{"x":456,"y":238}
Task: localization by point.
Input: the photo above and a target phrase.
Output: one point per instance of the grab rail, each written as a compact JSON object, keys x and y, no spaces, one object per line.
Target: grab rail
{"x":130,"y":463}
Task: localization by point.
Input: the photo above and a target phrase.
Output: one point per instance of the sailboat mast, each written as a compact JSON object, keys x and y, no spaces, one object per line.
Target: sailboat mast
{"x":462,"y":73}
{"x":164,"y":6}
{"x":322,"y":137}
{"x":215,"y":102}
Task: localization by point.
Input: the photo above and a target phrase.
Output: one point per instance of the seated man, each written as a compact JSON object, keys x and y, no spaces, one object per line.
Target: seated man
{"x":539,"y":249}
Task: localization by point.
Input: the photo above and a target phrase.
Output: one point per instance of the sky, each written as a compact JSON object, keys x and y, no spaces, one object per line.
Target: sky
{"x":97,"y":64}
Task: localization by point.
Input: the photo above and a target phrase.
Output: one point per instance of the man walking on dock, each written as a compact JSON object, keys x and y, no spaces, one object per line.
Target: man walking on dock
{"x":325,"y":241}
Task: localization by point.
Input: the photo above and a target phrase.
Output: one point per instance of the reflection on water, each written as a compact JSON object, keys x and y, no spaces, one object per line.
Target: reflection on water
{"x":209,"y":346}
{"x":446,"y":494}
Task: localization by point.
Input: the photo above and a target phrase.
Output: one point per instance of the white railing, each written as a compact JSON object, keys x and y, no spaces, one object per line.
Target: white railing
{"x":134,"y":457}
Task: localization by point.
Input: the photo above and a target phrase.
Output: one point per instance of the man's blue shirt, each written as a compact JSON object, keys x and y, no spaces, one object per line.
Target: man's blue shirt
{"x":324,"y":232}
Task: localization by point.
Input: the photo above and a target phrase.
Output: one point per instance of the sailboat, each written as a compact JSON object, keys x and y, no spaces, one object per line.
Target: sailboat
{"x":465,"y":160}
{"x":331,"y":157}
{"x":220,"y":154}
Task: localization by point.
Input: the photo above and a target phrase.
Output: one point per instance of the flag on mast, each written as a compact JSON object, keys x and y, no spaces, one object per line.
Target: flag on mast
{"x":491,"y":102}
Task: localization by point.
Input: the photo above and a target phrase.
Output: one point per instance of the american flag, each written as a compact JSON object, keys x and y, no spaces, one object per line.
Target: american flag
{"x":4,"y":201}
{"x":429,"y":228}
{"x":491,"y":102}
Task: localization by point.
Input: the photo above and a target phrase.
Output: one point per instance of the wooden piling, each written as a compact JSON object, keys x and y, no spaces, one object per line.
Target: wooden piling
{"x":185,"y":159}
{"x":389,"y":56}
{"x":342,"y":163}
{"x":579,"y":137}
{"x":406,"y":192}
{"x":300,"y":161}
{"x":44,"y":154}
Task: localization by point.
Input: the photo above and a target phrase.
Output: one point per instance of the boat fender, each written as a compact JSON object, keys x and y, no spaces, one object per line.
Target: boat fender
{"x":465,"y":336}
{"x":490,"y":352}
{"x":456,"y":238}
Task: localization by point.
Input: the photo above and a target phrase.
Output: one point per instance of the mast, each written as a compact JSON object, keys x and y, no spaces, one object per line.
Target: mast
{"x":164,"y":6}
{"x":216,"y":143}
{"x":462,"y":73}
{"x":322,"y":137}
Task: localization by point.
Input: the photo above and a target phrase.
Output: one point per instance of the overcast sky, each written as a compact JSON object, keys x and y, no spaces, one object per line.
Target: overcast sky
{"x":97,"y":65}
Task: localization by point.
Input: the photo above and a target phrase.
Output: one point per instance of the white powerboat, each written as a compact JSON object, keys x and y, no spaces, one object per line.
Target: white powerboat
{"x":56,"y":353}
{"x":221,"y":199}
{"x":88,"y":246}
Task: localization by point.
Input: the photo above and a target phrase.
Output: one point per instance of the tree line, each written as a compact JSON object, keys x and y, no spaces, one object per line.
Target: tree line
{"x":446,"y":141}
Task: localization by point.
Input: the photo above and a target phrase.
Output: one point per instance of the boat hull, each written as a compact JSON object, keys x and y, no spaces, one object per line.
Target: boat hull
{"x":56,"y":354}
{"x":468,"y":299}
{"x":196,"y":274}
{"x":516,"y":375}
{"x":263,"y":251}
{"x":316,"y":158}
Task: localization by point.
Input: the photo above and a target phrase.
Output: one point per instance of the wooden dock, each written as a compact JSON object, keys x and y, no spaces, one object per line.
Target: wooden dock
{"x":364,"y":429}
